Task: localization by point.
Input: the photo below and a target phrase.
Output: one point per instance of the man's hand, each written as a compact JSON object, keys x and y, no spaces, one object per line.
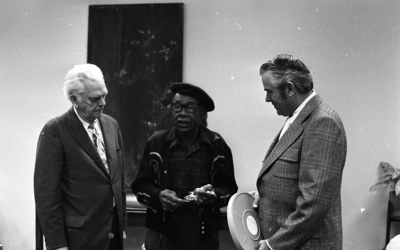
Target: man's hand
{"x":262,"y":245}
{"x":62,"y":248}
{"x":123,"y":235}
{"x":169,"y":200}
{"x":256,"y":198}
{"x":205,"y":195}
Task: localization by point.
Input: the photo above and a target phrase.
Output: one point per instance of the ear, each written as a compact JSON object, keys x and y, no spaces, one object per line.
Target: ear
{"x":290,"y":89}
{"x":73,"y":99}
{"x":204,"y":115}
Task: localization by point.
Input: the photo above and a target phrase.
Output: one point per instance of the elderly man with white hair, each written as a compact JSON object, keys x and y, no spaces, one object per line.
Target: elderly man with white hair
{"x":79,"y":173}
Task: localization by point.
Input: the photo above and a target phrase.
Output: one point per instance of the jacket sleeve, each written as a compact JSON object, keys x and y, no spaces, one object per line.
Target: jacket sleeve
{"x":322,"y":159}
{"x":222,"y":173}
{"x":47,"y":185}
{"x":146,"y":185}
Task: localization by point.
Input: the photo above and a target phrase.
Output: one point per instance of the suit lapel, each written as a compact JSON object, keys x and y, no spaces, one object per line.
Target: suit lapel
{"x":281,"y":145}
{"x":294,"y":131}
{"x":108,"y":142}
{"x":80,"y":135}
{"x":272,"y":146}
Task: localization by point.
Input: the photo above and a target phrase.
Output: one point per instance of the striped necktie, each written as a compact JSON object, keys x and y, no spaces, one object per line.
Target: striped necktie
{"x":99,"y":144}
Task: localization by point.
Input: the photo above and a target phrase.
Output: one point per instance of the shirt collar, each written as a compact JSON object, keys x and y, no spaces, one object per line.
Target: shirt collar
{"x":84,"y":123}
{"x":302,"y":105}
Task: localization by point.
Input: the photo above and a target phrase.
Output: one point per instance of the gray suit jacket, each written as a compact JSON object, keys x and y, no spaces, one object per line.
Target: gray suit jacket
{"x":300,"y":180}
{"x":73,"y":191}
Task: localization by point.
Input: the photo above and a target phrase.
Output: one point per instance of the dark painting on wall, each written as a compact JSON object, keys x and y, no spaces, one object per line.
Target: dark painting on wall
{"x":139,"y":49}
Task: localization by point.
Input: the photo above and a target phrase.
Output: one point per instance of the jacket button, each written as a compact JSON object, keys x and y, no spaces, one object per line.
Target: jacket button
{"x":110,"y":235}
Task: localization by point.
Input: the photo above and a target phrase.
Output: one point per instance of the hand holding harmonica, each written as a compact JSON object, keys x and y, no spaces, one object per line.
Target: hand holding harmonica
{"x":202,"y":196}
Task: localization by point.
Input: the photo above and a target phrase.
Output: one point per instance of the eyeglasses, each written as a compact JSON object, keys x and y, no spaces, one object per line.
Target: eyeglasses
{"x":177,"y":107}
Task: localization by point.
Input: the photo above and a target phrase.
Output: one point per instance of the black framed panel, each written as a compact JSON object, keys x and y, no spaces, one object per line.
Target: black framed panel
{"x":139,"y":48}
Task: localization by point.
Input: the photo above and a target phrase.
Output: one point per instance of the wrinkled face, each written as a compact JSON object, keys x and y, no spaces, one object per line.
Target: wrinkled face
{"x":91,"y":102}
{"x":185,"y":122}
{"x":273,"y":95}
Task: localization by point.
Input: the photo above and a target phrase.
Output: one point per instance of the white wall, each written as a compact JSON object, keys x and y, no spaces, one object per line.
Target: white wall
{"x":351,"y":47}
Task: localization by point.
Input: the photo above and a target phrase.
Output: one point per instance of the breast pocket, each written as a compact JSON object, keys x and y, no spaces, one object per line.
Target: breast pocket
{"x":286,"y":178}
{"x":287,"y":165}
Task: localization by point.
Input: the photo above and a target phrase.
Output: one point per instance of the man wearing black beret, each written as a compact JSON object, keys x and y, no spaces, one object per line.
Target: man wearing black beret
{"x":185,"y":177}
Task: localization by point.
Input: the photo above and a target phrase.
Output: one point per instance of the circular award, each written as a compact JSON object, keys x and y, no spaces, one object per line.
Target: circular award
{"x":243,"y":222}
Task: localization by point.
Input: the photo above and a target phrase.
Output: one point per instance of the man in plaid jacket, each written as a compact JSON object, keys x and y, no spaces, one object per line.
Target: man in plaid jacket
{"x":299,"y":183}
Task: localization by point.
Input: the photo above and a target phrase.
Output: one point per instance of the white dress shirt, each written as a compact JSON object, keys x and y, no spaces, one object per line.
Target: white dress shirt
{"x":291,"y":119}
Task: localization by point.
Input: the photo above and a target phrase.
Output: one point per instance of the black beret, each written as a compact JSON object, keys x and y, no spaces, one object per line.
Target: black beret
{"x":204,"y":98}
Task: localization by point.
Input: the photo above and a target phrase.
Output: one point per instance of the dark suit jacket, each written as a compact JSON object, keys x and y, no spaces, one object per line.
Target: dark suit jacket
{"x":300,"y":180}
{"x":73,"y":191}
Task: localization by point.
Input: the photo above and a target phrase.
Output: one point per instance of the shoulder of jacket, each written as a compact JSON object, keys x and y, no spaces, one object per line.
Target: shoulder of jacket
{"x":108,"y":118}
{"x":158,"y":135}
{"x":57,"y":121}
{"x":212,"y":135}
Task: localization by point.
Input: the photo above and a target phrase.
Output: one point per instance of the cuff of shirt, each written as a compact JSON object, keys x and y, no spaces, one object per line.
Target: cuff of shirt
{"x":269,"y":245}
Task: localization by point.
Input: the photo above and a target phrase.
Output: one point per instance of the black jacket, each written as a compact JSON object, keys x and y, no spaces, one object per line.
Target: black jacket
{"x":153,"y":177}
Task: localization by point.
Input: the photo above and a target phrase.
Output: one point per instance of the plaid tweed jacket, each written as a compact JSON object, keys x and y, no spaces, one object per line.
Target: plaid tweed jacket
{"x":300,"y":180}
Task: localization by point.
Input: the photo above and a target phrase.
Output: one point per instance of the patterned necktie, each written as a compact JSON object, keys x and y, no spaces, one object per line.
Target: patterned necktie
{"x":99,"y":144}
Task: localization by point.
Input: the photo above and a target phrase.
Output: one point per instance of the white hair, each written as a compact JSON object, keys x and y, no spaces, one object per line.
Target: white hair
{"x":75,"y":78}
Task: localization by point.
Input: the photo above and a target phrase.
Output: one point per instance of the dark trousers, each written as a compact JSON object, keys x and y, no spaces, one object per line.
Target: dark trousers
{"x":115,"y":235}
{"x":186,"y":232}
